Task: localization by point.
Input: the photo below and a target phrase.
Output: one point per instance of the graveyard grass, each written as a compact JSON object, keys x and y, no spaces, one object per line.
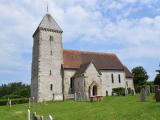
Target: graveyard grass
{"x":111,"y":108}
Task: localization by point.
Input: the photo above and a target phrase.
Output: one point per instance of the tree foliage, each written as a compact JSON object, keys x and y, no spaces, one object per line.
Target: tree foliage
{"x":14,"y":90}
{"x":157,"y":79}
{"x":140,"y":76}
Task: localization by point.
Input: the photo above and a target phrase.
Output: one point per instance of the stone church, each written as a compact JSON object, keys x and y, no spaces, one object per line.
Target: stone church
{"x":58,"y":73}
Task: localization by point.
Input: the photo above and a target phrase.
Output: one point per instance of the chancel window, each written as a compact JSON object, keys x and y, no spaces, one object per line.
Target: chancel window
{"x":112,"y":77}
{"x":119,"y":78}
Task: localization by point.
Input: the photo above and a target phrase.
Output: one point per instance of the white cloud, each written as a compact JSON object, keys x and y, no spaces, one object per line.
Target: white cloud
{"x":83,"y":20}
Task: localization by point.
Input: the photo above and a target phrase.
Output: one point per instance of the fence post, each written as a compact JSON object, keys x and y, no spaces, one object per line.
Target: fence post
{"x":50,"y":117}
{"x":29,"y":103}
{"x":75,"y":96}
{"x":10,"y":103}
{"x":28,"y":114}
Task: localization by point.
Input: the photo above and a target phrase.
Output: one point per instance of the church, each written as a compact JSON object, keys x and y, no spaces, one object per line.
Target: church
{"x":58,"y":73}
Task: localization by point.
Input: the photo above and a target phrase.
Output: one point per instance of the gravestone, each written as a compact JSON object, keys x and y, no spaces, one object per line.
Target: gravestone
{"x":41,"y":118}
{"x":50,"y":117}
{"x":157,"y":95}
{"x":143,"y":95}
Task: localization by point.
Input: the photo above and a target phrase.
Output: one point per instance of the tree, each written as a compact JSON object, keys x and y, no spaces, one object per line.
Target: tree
{"x":157,"y":79}
{"x":140,"y":76}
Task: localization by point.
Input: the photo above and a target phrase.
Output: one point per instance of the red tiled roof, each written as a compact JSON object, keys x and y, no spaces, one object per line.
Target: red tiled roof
{"x":73,"y":59}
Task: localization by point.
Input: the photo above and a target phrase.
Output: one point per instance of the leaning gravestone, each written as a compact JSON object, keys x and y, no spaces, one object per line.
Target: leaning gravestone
{"x":157,"y":95}
{"x":143,"y":95}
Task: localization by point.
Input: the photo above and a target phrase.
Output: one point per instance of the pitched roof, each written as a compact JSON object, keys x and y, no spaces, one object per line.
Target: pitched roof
{"x":49,"y":23}
{"x":75,"y":58}
{"x":84,"y":67}
{"x":127,"y":72}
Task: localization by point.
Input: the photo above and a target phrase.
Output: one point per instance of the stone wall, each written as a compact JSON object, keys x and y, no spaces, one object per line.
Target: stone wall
{"x":68,"y":73}
{"x":34,"y":72}
{"x":130,"y":83}
{"x":107,"y":80}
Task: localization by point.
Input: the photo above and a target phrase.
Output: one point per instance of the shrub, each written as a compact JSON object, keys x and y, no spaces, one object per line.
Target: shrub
{"x":11,"y":96}
{"x":137,"y":89}
{"x":14,"y":101}
{"x":129,"y":90}
{"x":119,"y":91}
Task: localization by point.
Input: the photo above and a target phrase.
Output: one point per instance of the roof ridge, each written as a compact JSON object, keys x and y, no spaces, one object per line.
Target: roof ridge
{"x":87,"y":51}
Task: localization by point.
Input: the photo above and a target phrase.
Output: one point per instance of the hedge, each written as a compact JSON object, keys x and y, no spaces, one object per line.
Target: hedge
{"x":152,"y":88}
{"x":118,"y":91}
{"x":14,"y":101}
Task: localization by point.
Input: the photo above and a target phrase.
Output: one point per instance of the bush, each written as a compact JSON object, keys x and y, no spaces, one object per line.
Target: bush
{"x":119,"y":91}
{"x":137,"y":89}
{"x":129,"y":90}
{"x":14,"y":101}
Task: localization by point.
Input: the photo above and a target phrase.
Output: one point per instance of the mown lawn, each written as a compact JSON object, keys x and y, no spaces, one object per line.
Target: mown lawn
{"x":112,"y":108}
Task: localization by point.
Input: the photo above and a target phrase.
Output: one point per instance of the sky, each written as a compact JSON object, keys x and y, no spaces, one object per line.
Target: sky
{"x":129,"y":28}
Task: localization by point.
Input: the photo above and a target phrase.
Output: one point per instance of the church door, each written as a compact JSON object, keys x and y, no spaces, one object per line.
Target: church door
{"x":94,"y":90}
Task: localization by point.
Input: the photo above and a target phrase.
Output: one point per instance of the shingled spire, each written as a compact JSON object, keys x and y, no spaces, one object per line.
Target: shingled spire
{"x":48,"y":22}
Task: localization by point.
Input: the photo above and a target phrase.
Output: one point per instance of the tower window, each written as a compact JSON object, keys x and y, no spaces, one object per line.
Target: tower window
{"x":51,"y":38}
{"x":119,"y":78}
{"x":51,"y":52}
{"x":51,"y":87}
{"x":112,"y":78}
{"x":50,"y":72}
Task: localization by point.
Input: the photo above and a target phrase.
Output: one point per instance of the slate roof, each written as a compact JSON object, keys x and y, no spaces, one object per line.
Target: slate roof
{"x":75,"y":59}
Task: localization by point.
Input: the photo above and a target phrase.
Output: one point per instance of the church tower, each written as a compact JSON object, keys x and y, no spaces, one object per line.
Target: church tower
{"x":47,"y":59}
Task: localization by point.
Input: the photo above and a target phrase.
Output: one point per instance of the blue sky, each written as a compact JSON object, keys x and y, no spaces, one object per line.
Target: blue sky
{"x":129,"y":28}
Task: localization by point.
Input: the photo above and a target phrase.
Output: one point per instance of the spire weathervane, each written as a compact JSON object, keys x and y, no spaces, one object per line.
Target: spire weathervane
{"x":47,"y":7}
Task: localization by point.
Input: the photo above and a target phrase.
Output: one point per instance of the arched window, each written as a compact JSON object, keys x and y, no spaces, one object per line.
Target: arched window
{"x":119,"y":78}
{"x":112,"y":77}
